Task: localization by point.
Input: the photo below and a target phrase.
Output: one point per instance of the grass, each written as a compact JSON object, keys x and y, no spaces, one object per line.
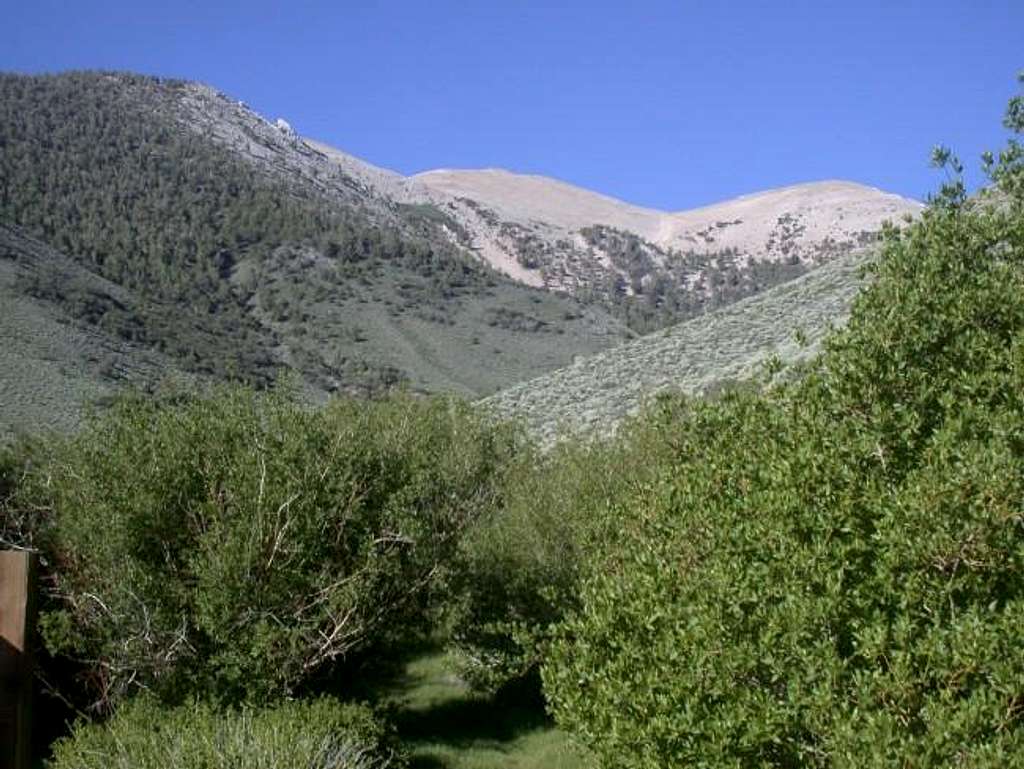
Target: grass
{"x":445,"y":725}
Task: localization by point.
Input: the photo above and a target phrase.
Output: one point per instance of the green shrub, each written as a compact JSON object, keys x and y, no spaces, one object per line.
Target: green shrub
{"x":831,"y":574}
{"x":9,"y":480}
{"x":521,"y":565}
{"x":321,"y":734}
{"x":19,"y":525}
{"x":239,"y":544}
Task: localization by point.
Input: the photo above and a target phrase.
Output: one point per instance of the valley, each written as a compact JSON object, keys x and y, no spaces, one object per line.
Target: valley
{"x":323,"y":465}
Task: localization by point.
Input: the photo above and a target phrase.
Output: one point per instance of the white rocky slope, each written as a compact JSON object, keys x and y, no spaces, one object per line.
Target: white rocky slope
{"x":541,"y":231}
{"x":535,"y":229}
{"x":810,"y":222}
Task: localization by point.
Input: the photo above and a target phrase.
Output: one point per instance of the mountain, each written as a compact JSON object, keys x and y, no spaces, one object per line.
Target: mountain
{"x":699,"y":357}
{"x":646,"y":267}
{"x":650,"y":268}
{"x":237,"y":251}
{"x":820,"y":215}
{"x":202,"y":240}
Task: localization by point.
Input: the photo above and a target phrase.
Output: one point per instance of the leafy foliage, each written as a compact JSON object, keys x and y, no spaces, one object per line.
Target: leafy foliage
{"x":521,"y":564}
{"x":238,"y":545}
{"x":19,"y":524}
{"x":832,"y":574}
{"x":319,"y":734}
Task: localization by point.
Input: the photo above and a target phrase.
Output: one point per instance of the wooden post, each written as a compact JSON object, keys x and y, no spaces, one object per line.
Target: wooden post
{"x":16,"y":625}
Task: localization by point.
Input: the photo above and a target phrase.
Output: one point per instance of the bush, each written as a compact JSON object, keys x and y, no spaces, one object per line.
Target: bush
{"x":10,"y":471}
{"x":521,"y":565}
{"x":832,"y":574}
{"x":321,"y":734}
{"x":19,"y":525}
{"x":239,"y":544}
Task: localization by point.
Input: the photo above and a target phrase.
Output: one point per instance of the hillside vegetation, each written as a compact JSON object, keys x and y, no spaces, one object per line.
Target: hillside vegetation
{"x":699,"y":357}
{"x":63,"y":349}
{"x":230,"y":248}
{"x":229,"y":268}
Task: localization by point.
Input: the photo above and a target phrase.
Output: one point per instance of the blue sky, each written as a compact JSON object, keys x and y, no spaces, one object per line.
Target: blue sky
{"x":665,"y":104}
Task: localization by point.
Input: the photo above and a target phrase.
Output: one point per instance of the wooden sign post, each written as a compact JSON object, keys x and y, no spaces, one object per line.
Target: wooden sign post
{"x":16,"y":621}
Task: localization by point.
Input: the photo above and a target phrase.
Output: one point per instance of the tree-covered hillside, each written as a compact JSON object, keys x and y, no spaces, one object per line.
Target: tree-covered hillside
{"x":70,"y":338}
{"x":236,"y":271}
{"x":652,"y":287}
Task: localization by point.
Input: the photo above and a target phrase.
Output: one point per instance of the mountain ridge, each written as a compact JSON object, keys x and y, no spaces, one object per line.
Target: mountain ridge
{"x":648,"y":267}
{"x":530,"y":227}
{"x":534,"y":228}
{"x":242,"y":249}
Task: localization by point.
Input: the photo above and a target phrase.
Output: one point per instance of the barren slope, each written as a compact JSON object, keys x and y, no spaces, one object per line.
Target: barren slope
{"x":527,"y":198}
